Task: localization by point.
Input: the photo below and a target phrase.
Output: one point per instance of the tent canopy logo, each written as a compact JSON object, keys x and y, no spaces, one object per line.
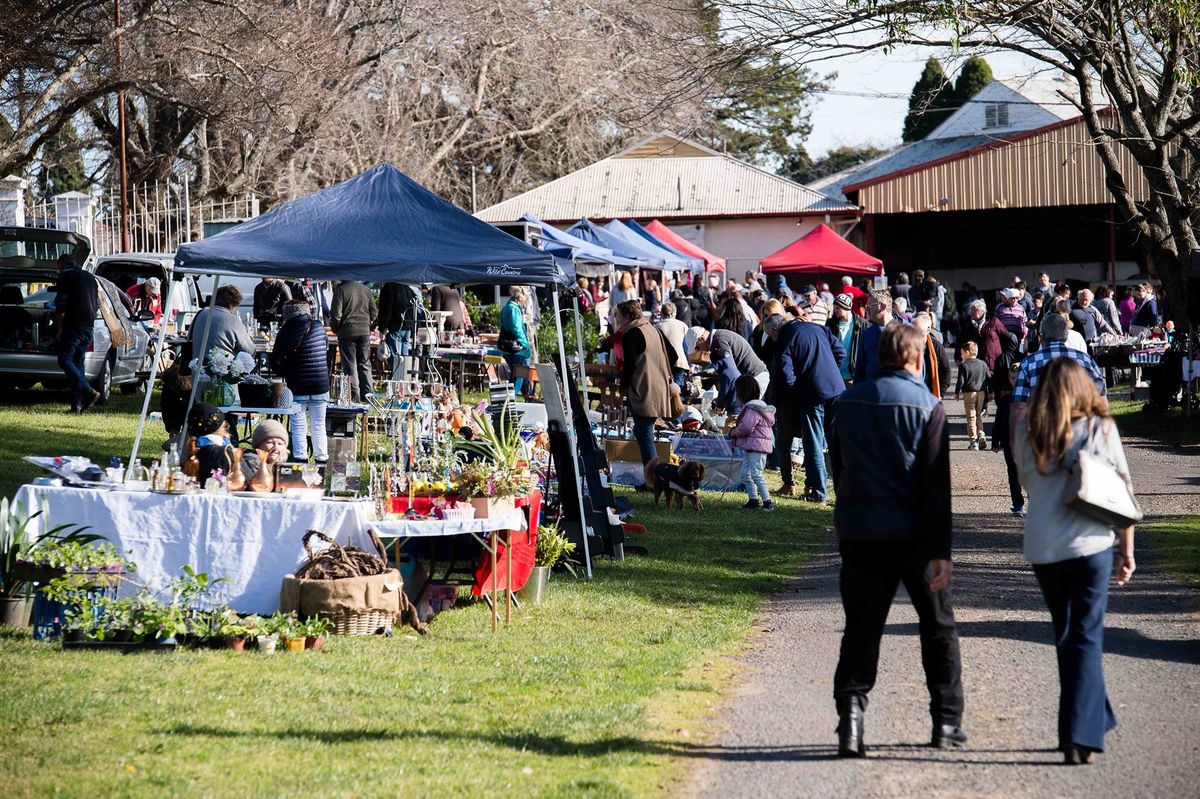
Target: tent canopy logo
{"x":503,"y":270}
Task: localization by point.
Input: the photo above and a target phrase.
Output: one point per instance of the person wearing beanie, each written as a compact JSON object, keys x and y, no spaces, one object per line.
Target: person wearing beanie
{"x":847,"y":327}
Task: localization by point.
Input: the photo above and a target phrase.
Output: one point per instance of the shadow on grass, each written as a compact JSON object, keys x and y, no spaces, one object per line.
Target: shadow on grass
{"x":559,"y":746}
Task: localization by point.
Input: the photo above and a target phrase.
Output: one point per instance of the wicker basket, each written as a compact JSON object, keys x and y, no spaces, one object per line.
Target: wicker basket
{"x":463,"y":513}
{"x":361,"y":622}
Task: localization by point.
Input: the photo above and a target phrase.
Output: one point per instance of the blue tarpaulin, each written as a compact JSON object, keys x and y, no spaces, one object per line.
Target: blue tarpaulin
{"x":696,"y":264}
{"x":378,"y":226}
{"x":671,"y":261}
{"x":639,"y":251}
{"x":561,"y":243}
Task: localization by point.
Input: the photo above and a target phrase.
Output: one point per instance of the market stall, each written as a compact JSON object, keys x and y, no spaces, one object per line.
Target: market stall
{"x":822,"y":250}
{"x":378,"y":226}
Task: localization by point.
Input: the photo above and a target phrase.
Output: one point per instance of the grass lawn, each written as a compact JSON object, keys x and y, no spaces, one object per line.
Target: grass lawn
{"x":600,"y":692}
{"x":1176,"y":542}
{"x":1169,"y":427}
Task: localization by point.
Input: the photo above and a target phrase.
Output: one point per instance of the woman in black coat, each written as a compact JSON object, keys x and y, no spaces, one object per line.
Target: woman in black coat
{"x":301,"y":357}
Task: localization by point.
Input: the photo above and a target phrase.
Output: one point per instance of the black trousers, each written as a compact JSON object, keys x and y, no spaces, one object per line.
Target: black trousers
{"x":356,"y":362}
{"x":871,"y":572}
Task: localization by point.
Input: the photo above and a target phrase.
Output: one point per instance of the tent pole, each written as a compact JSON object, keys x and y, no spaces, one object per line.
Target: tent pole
{"x":570,"y":413}
{"x":158,"y":350}
{"x":579,"y":349}
{"x":212,"y":303}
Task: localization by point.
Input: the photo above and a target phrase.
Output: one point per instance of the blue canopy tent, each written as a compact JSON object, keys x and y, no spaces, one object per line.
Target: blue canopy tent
{"x":672,"y":262}
{"x":580,"y":250}
{"x":588,"y":230}
{"x":697,"y":264}
{"x":378,"y":226}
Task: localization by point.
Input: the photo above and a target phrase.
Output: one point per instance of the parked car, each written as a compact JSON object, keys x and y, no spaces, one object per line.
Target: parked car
{"x":28,"y":330}
{"x":182,"y":299}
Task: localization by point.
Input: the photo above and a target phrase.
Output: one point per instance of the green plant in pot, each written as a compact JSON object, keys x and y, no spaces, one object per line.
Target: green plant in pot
{"x":15,"y":543}
{"x":158,"y":622}
{"x":315,"y":630}
{"x":551,"y":548}
{"x":291,"y":631}
{"x":501,"y":472}
{"x":236,"y":631}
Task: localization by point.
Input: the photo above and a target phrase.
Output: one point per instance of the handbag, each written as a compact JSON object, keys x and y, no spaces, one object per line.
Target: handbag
{"x":1096,"y":489}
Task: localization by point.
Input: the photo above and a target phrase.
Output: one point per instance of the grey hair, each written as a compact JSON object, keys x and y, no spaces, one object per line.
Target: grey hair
{"x":980,"y":304}
{"x":901,"y":304}
{"x":1054,"y":327}
{"x":774,"y":323}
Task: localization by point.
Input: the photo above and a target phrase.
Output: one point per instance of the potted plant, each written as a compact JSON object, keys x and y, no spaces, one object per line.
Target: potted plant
{"x":291,"y":630}
{"x":235,"y":631}
{"x":119,"y":618}
{"x":490,"y":488}
{"x":550,"y":548}
{"x":14,"y":544}
{"x":315,"y":630}
{"x":159,"y":623}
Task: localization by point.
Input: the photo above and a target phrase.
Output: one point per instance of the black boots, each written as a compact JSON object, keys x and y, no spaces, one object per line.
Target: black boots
{"x":850,"y":729}
{"x":947,"y":736}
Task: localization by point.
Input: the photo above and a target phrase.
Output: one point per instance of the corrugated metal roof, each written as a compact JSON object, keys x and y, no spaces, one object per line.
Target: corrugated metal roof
{"x":898,"y":160}
{"x":666,"y":188}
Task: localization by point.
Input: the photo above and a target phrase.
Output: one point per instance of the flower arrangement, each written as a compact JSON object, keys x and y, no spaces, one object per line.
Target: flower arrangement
{"x":483,"y":479}
{"x":223,"y":366}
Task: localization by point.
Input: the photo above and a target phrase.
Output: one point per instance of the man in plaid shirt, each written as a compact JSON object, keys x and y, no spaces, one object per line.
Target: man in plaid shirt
{"x":1054,"y":337}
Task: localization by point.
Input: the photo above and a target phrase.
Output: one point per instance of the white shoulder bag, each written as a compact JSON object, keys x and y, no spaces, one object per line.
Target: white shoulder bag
{"x":1094,"y":486}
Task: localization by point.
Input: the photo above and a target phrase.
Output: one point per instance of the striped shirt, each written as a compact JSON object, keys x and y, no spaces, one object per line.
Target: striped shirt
{"x":1031,"y":368}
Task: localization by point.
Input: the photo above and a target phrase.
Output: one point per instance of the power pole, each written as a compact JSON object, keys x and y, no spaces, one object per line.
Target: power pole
{"x":121,"y":136}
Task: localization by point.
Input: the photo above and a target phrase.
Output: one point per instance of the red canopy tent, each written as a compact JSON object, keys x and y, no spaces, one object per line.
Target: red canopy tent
{"x":712,"y":263}
{"x":822,"y":250}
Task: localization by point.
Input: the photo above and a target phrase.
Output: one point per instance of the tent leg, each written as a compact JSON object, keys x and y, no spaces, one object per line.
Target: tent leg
{"x":570,"y":414}
{"x":579,"y":350}
{"x":212,"y":303}
{"x":158,"y":350}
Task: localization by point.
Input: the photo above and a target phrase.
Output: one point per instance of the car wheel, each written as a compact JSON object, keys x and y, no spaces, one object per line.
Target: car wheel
{"x":137,"y":389}
{"x":103,"y":381}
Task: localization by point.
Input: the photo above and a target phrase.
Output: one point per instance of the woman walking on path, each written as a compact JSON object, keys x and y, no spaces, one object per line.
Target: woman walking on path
{"x":1072,"y":554}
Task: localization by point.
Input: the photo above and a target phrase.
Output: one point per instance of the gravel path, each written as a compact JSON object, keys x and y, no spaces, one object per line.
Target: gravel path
{"x":777,"y":735}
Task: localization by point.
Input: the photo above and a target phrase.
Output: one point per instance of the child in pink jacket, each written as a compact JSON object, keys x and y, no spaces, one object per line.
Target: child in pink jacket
{"x":753,"y":433}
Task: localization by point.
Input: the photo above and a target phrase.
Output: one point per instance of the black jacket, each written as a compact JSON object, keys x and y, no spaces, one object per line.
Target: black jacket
{"x":860,"y":324}
{"x":268,"y":301}
{"x":399,"y":307}
{"x":702,"y":307}
{"x":77,"y":298}
{"x":890,"y":453}
{"x":301,"y":356}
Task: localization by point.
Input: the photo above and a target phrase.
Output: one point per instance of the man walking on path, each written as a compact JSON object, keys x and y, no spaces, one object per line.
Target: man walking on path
{"x":891,"y":469}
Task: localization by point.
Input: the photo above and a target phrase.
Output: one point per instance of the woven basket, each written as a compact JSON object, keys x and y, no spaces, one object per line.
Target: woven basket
{"x":361,"y":622}
{"x":463,"y":513}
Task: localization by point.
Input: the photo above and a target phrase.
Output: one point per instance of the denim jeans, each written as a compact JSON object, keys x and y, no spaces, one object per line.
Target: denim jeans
{"x":643,"y":432}
{"x":73,"y":344}
{"x":812,"y":432}
{"x":1076,"y":592}
{"x":398,"y":341}
{"x":680,"y":376}
{"x":754,"y":478}
{"x":312,"y":408}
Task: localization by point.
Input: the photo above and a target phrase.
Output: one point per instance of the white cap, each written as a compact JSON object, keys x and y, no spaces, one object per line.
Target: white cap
{"x":153,"y":285}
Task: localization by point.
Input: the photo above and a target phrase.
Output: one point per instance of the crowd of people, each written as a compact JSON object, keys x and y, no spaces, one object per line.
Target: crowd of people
{"x":863,"y":375}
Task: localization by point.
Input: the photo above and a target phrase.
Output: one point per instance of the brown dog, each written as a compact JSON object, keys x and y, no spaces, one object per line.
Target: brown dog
{"x":676,"y":481}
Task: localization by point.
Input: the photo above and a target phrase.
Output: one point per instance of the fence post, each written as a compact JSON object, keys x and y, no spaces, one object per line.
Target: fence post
{"x":12,"y":201}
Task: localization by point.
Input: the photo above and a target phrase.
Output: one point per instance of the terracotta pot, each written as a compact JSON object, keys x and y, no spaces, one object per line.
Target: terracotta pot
{"x":236,"y":644}
{"x":491,"y":507}
{"x":293,"y":644}
{"x":314,"y":641}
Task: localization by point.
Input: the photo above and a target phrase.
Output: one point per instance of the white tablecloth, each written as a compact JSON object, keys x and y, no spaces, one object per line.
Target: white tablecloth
{"x":435,"y":528}
{"x":252,"y":542}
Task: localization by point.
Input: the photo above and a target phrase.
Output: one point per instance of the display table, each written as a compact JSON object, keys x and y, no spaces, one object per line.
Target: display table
{"x":252,"y":542}
{"x":488,"y":532}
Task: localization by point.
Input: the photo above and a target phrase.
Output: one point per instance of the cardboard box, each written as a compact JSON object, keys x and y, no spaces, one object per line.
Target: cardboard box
{"x":621,"y":450}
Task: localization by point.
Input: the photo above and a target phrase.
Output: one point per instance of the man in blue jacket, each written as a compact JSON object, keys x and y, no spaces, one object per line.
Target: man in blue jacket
{"x":891,"y":468}
{"x":806,"y":378}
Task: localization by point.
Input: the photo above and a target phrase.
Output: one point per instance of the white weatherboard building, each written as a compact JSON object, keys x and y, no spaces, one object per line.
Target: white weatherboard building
{"x":726,"y":206}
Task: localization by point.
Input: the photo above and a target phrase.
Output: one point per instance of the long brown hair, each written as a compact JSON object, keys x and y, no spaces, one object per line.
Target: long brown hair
{"x":1063,"y":391}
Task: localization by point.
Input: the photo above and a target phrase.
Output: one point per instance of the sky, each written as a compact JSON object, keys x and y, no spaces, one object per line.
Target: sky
{"x":838,"y":119}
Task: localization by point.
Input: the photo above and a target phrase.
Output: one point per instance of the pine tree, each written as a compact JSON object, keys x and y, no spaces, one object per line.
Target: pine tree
{"x":930,"y":103}
{"x":64,"y":162}
{"x":974,"y":75}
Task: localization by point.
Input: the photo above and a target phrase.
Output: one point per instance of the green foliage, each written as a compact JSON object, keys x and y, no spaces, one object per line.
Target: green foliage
{"x":63,"y":162}
{"x":73,"y":554}
{"x":316,"y":626}
{"x":835,"y":161}
{"x":974,"y":75}
{"x":927,"y":106}
{"x":547,"y":335}
{"x":552,"y":546}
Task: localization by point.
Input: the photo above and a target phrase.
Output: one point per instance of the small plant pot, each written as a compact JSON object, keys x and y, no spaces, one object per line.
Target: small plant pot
{"x":266,"y":644}
{"x":72,"y":636}
{"x":123,"y":636}
{"x":491,"y":507}
{"x":294,"y":644}
{"x":14,"y":611}
{"x":236,"y":644}
{"x":535,"y":588}
{"x":314,"y":641}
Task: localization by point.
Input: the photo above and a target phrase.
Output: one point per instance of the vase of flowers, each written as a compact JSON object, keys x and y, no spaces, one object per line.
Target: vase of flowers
{"x":220,"y":372}
{"x":491,"y":488}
